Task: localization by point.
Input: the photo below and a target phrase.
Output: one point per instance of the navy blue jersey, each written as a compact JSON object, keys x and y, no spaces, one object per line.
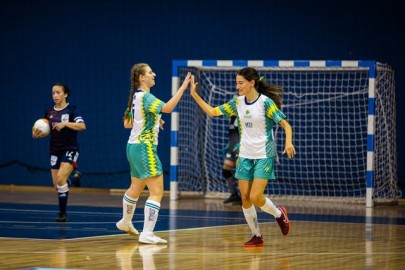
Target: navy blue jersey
{"x":65,"y":139}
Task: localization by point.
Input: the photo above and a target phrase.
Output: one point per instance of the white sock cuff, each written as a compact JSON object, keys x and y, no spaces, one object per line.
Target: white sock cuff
{"x":152,"y":204}
{"x":250,"y":210}
{"x":63,"y":189}
{"x":129,"y":200}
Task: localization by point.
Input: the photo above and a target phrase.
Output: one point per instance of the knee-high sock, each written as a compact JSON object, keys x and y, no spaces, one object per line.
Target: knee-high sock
{"x":251,"y":219}
{"x":270,"y":208}
{"x":151,"y":214}
{"x":128,"y":208}
{"x":63,"y":195}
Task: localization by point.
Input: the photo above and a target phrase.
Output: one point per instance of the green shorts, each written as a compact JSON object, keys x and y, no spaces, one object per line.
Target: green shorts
{"x":249,"y":169}
{"x":143,"y":160}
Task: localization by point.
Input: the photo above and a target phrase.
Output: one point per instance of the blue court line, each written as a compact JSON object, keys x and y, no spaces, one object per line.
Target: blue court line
{"x":38,"y":221}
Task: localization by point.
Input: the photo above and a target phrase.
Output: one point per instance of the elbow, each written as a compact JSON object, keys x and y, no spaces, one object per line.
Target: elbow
{"x":211,"y":114}
{"x":167,"y":109}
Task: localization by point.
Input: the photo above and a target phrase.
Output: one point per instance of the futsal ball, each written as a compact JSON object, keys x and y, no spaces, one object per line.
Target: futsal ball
{"x":43,"y":125}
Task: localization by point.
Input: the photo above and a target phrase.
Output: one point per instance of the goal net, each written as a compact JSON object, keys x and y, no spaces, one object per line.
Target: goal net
{"x":343,"y":119}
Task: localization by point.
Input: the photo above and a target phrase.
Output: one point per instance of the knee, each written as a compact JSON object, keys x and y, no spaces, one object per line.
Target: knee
{"x":60,"y":179}
{"x":254,"y":199}
{"x":62,"y":188}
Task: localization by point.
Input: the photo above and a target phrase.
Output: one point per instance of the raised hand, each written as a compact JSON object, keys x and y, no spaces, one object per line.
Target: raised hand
{"x":186,"y":81}
{"x":193,"y":85}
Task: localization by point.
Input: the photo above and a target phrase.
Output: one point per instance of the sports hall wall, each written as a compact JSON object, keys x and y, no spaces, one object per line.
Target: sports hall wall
{"x":91,"y":45}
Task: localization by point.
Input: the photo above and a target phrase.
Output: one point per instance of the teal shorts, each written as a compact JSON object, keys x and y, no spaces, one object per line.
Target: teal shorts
{"x":249,"y":169}
{"x":143,"y":160}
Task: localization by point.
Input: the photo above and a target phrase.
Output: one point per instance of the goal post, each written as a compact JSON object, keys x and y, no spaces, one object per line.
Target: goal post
{"x":344,"y":129}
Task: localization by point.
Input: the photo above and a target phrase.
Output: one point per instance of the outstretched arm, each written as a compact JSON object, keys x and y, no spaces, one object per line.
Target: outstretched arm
{"x":289,"y":147}
{"x":172,"y":103}
{"x":208,"y":109}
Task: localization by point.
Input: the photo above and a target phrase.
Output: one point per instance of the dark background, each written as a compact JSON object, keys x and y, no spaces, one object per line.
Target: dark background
{"x":91,"y":46}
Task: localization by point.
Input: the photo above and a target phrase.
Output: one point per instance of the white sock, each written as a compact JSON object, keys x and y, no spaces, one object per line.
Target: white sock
{"x":270,"y":208}
{"x":151,"y":212}
{"x":128,"y":208}
{"x":251,"y":219}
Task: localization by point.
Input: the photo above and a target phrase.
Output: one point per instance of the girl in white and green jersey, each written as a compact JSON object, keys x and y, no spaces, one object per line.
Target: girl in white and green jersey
{"x":257,"y":108}
{"x":143,"y":118}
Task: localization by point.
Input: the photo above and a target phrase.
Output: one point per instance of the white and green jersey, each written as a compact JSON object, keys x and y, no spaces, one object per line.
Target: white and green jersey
{"x":145,"y":118}
{"x":255,"y":121}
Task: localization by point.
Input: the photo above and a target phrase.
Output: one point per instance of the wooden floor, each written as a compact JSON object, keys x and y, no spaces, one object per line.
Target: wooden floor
{"x":323,"y":236}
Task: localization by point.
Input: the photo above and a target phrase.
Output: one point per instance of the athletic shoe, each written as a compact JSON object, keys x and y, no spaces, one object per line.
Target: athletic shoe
{"x":255,"y":241}
{"x":151,"y":238}
{"x":238,"y":201}
{"x":76,"y":178}
{"x":234,"y":199}
{"x":128,"y":228}
{"x":62,"y":217}
{"x":283,"y":221}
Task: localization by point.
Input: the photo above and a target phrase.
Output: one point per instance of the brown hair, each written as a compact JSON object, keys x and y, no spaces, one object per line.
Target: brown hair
{"x":272,"y":91}
{"x":65,"y":88}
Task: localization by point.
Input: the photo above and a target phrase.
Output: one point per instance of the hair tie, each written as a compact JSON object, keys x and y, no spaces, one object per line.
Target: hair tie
{"x":261,"y":78}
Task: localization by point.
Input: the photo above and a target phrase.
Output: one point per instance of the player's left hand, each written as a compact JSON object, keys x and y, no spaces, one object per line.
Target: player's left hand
{"x":289,"y":150}
{"x":59,"y":126}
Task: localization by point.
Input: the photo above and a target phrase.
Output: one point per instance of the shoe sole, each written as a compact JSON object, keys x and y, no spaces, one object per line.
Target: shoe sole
{"x":256,"y":246}
{"x":152,"y":243}
{"x":140,"y":240}
{"x":132,"y":233}
{"x":127,"y":231}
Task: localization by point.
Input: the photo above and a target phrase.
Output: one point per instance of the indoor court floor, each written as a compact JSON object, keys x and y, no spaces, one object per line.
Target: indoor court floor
{"x":202,"y":234}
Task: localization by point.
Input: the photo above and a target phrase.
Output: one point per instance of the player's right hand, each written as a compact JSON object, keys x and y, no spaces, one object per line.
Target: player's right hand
{"x":36,"y":133}
{"x":193,"y":85}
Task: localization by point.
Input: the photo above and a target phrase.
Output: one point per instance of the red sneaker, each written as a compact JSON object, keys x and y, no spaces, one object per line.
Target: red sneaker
{"x":256,"y":241}
{"x":283,"y":221}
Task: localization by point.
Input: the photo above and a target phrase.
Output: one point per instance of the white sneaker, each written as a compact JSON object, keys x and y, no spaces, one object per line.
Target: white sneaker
{"x":151,"y":238}
{"x":128,"y":228}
